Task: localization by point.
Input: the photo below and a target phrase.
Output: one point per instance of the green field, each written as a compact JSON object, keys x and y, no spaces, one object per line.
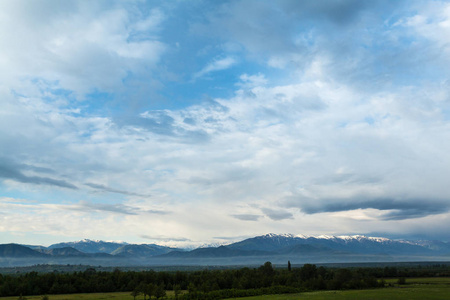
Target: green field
{"x":114,"y":296}
{"x":416,"y":288}
{"x":99,"y":296}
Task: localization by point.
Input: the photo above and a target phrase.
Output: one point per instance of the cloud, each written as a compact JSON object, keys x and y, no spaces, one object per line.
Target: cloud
{"x":10,"y":170}
{"x":338,"y":13}
{"x":232,"y":238}
{"x":217,"y":64}
{"x":164,"y":123}
{"x":100,"y":207}
{"x":114,"y":208}
{"x":165,"y":239}
{"x":253,"y":23}
{"x":277,"y":214}
{"x":343,"y":115}
{"x":112,"y":190}
{"x":246,"y":217}
{"x":412,"y":212}
{"x":396,"y":209}
{"x":251,"y":81}
{"x":81,"y":47}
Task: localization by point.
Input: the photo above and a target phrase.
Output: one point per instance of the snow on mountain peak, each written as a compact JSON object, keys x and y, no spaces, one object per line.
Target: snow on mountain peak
{"x":274,"y":235}
{"x":302,"y":236}
{"x":88,"y":241}
{"x":325,"y":237}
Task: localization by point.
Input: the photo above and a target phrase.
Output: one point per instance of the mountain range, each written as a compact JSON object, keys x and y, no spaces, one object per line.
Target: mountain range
{"x":277,"y":248}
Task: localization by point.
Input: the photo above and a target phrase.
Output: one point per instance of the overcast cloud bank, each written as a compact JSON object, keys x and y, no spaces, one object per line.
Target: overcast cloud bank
{"x":181,"y":122}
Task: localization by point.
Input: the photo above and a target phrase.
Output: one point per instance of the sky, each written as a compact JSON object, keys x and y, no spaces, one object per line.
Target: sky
{"x":202,"y":122}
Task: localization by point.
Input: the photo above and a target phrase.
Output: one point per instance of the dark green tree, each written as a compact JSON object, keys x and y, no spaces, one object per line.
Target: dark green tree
{"x":308,"y":271}
{"x":143,"y":289}
{"x":135,"y":293}
{"x":267,"y":268}
{"x":160,"y":292}
{"x":192,"y":290}
{"x":176,"y":290}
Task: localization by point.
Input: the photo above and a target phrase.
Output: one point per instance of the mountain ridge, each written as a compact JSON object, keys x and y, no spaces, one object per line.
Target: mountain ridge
{"x":269,"y":247}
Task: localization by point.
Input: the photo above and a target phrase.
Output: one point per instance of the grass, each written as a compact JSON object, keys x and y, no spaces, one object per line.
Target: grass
{"x":96,"y":296}
{"x":414,"y":289}
{"x":93,"y":296}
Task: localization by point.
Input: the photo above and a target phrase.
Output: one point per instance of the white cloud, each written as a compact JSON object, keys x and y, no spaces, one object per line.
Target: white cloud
{"x":218,"y":64}
{"x":311,"y":142}
{"x":250,"y":81}
{"x":432,"y":22}
{"x":307,"y":149}
{"x":80,"y":47}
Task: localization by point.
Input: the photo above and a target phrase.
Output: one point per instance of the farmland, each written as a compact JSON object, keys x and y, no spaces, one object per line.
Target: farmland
{"x":415,"y":288}
{"x":307,"y":282}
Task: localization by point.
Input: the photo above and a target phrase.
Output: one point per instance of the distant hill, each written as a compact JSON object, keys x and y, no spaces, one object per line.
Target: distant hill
{"x":277,"y":248}
{"x":18,"y":251}
{"x":221,"y":251}
{"x":66,"y":251}
{"x":145,"y":250}
{"x":90,"y":246}
{"x":350,"y":244}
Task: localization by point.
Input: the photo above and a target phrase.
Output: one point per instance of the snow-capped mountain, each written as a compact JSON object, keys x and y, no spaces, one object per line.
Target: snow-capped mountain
{"x":91,"y":246}
{"x":352,"y":244}
{"x":268,"y":242}
{"x":277,"y":248}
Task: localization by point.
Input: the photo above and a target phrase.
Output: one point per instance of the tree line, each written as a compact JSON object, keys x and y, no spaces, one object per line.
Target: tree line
{"x":209,"y":284}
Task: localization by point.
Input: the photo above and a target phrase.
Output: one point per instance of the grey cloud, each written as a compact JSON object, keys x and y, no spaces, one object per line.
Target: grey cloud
{"x":246,"y":217}
{"x":10,"y":170}
{"x":112,"y":190}
{"x":156,"y":212}
{"x":159,"y":122}
{"x":249,"y":23}
{"x":215,"y":106}
{"x":277,"y":215}
{"x":252,"y":23}
{"x":398,"y":209}
{"x":38,"y":169}
{"x":414,"y":212}
{"x":235,"y":174}
{"x":115,"y":208}
{"x":338,"y":12}
{"x":302,"y":31}
{"x":347,"y":178}
{"x":165,"y":239}
{"x":231,"y":238}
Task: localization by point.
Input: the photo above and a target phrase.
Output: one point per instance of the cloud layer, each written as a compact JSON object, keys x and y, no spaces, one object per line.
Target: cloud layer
{"x":153,"y":121}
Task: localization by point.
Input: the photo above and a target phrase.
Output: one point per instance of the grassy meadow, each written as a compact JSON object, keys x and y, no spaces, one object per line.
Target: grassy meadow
{"x":415,"y":288}
{"x":92,"y":296}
